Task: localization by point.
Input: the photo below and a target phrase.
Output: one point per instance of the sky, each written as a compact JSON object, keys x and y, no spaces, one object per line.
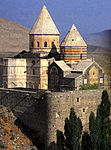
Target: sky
{"x":89,"y":16}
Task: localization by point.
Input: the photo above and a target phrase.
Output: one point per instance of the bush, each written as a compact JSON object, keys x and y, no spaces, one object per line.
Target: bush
{"x":2,"y":146}
{"x":89,"y":86}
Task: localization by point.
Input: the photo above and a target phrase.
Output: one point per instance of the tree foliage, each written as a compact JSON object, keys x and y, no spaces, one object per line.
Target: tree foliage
{"x":72,"y":133}
{"x":60,"y":141}
{"x":86,"y":142}
{"x":100,"y":126}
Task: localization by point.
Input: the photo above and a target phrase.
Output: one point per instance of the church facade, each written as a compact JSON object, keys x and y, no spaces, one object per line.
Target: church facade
{"x":48,"y":64}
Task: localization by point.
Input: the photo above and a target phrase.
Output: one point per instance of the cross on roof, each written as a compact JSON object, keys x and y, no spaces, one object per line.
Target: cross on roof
{"x":44,"y":2}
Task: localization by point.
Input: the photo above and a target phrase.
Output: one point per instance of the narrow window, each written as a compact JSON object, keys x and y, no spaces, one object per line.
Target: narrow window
{"x":78,"y":99}
{"x":33,"y":62}
{"x":101,"y":80}
{"x":45,"y":44}
{"x":80,"y":56}
{"x":83,"y":109}
{"x":37,"y":43}
{"x":33,"y":71}
{"x":85,"y":81}
{"x":32,"y":44}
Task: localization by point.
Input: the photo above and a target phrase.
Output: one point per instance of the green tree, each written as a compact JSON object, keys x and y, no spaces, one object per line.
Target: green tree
{"x":100,"y":126}
{"x":70,"y":140}
{"x":60,"y":141}
{"x":86,"y":142}
{"x":103,"y":114}
{"x":92,"y":128}
{"x":72,"y":131}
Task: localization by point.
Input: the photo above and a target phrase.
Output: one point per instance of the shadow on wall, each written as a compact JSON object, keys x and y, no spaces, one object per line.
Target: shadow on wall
{"x":31,"y":134}
{"x":34,"y":122}
{"x":53,"y":53}
{"x":31,"y":111}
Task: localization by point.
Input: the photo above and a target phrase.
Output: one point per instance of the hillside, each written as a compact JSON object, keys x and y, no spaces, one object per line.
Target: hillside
{"x":11,"y":136}
{"x":100,"y":39}
{"x":13,"y":37}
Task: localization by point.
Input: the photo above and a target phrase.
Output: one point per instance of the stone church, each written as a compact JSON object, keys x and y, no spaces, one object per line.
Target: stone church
{"x":48,"y":64}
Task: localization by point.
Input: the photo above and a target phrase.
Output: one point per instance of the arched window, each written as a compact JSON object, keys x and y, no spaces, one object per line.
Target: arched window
{"x":37,"y":43}
{"x":45,"y":44}
{"x":80,"y":56}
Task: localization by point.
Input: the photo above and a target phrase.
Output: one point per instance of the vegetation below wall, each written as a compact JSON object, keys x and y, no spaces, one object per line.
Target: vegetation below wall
{"x":89,"y":86}
{"x":11,"y":136}
{"x":99,"y":136}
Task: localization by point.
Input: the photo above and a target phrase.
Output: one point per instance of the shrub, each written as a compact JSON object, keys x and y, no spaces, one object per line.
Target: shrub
{"x":89,"y":86}
{"x":2,"y":146}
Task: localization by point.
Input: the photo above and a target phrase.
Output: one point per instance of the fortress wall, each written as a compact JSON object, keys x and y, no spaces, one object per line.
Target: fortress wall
{"x":45,"y":111}
{"x":59,"y":105}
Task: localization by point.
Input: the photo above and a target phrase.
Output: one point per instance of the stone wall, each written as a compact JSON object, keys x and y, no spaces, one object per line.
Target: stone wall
{"x":13,"y":73}
{"x":59,"y":105}
{"x":42,"y":39}
{"x":45,"y":111}
{"x":77,"y":53}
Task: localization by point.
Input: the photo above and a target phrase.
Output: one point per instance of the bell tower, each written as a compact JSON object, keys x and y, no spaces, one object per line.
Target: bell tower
{"x":44,"y":33}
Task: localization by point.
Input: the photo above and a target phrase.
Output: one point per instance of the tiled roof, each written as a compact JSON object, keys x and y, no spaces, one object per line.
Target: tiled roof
{"x":82,"y":65}
{"x":44,"y":24}
{"x":73,"y":38}
{"x":63,"y":65}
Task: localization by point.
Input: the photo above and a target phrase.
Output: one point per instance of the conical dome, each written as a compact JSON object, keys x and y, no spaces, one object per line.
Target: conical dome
{"x":44,"y":24}
{"x":73,"y":38}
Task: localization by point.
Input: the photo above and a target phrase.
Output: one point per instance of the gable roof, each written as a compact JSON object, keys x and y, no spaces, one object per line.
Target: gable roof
{"x":82,"y":65}
{"x":73,"y":38}
{"x":44,"y":24}
{"x":63,"y":65}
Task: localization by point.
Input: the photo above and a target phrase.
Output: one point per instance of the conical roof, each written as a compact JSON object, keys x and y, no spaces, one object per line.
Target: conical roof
{"x":73,"y":38}
{"x":44,"y":24}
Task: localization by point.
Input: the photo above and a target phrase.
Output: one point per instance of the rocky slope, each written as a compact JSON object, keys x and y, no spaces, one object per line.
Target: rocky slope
{"x":11,"y":136}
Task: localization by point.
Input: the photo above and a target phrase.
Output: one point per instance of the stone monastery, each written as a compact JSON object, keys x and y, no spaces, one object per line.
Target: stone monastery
{"x":48,"y":64}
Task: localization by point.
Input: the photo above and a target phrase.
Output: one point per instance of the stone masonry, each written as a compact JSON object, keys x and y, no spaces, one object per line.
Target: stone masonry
{"x":45,"y":111}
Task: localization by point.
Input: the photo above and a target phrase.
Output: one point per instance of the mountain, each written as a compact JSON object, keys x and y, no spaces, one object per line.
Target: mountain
{"x":13,"y":37}
{"x":99,"y":39}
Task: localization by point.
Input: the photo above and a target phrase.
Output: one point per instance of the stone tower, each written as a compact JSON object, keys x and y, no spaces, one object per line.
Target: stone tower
{"x":44,"y":33}
{"x":73,"y":47}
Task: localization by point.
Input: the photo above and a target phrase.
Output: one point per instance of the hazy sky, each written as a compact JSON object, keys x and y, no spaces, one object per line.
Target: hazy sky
{"x":88,"y":15}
